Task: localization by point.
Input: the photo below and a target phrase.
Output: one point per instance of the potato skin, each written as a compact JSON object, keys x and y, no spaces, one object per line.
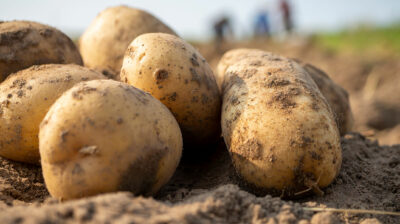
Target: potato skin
{"x":336,"y":96}
{"x":25,"y":97}
{"x":25,"y":43}
{"x":230,"y":58}
{"x":104,"y":42}
{"x":172,"y":71}
{"x":279,"y":129}
{"x":103,"y":136}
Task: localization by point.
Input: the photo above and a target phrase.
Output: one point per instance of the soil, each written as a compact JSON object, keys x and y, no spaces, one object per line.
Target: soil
{"x":209,"y":191}
{"x":20,"y":184}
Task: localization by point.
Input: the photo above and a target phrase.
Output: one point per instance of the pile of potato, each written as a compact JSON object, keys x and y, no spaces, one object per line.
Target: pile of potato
{"x":121,"y":122}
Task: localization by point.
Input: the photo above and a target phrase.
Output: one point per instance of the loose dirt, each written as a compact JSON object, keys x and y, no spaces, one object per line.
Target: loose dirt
{"x":209,"y":191}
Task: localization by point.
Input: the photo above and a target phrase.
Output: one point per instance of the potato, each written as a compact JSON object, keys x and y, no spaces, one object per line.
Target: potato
{"x":278,"y":127}
{"x":24,"y":43}
{"x":104,"y":136}
{"x":336,"y":96}
{"x":25,"y":98}
{"x":175,"y":73}
{"x":104,"y":42}
{"x":233,"y":56}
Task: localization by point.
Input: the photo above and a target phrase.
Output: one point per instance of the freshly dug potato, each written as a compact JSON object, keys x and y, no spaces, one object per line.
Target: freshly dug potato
{"x":25,"y":98}
{"x":104,"y":136}
{"x":278,"y":127}
{"x":24,"y":43}
{"x":175,"y":73}
{"x":233,"y":56}
{"x":336,"y":96}
{"x":104,"y":42}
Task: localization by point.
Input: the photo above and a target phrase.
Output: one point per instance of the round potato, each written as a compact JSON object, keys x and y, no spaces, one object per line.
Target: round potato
{"x":175,"y":73}
{"x":336,"y":96}
{"x":25,"y":97}
{"x":279,"y":129}
{"x":104,"y":42}
{"x":104,"y":136}
{"x":24,"y":43}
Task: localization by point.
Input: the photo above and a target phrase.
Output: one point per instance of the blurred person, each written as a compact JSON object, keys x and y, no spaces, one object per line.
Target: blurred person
{"x":262,"y":25}
{"x":286,"y":15}
{"x":222,"y":30}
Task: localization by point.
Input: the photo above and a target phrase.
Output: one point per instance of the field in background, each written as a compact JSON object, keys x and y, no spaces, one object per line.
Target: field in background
{"x":363,"y":40}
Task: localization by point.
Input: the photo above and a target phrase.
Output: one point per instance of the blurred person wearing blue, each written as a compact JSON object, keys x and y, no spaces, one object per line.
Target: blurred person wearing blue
{"x":261,"y":24}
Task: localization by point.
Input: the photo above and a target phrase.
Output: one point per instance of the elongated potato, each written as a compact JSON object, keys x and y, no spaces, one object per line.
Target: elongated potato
{"x":24,"y":43}
{"x":175,"y":73}
{"x":104,"y":42}
{"x":278,"y":127}
{"x":25,"y":97}
{"x":104,"y":136}
{"x":336,"y":96}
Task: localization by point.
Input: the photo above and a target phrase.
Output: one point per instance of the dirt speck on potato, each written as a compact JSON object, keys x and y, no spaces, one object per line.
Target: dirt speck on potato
{"x":20,"y":93}
{"x":89,"y":150}
{"x":77,"y":170}
{"x":285,"y":99}
{"x":204,"y":99}
{"x":195,"y":77}
{"x":120,"y":121}
{"x":18,"y":83}
{"x":277,"y":82}
{"x":172,"y":97}
{"x":141,"y":175}
{"x":251,"y":149}
{"x":78,"y":95}
{"x":63,"y":135}
{"x":194,"y":61}
{"x":160,"y":75}
{"x":46,"y":32}
{"x":141,"y":96}
{"x":194,"y":99}
{"x":316,"y":156}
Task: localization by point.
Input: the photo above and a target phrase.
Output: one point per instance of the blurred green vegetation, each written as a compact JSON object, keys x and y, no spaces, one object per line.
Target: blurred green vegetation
{"x":362,"y":40}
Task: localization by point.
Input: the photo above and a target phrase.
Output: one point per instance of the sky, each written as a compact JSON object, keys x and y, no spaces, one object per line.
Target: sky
{"x":193,"y":19}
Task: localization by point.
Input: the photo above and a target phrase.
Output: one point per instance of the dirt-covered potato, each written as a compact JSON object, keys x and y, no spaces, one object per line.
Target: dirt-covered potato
{"x":104,"y":136}
{"x":233,"y":56}
{"x":25,"y":98}
{"x":104,"y":42}
{"x":175,"y":73}
{"x":24,"y":43}
{"x":336,"y":96}
{"x":279,"y":129}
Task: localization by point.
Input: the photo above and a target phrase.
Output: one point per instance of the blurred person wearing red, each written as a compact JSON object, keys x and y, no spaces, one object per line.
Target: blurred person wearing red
{"x":286,"y":15}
